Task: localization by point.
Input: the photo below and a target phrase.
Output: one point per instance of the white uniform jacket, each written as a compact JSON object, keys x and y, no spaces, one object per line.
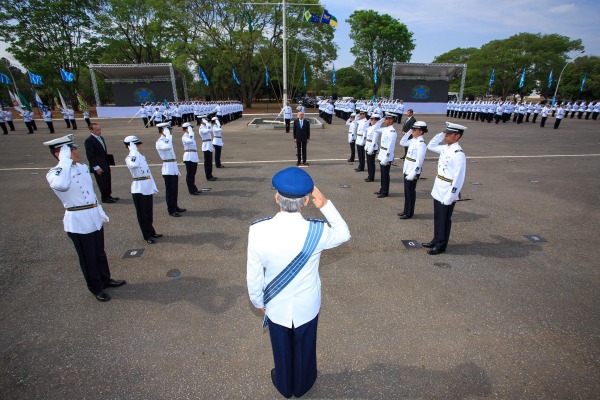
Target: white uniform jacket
{"x":415,"y":155}
{"x":361,"y":131}
{"x":272,"y":245}
{"x":388,"y":143}
{"x":352,"y":128}
{"x":164,"y":146}
{"x":217,"y":133}
{"x":373,"y":132}
{"x":72,"y":183}
{"x":190,"y":149}
{"x":451,"y":170}
{"x":143,"y":182}
{"x":205,"y":135}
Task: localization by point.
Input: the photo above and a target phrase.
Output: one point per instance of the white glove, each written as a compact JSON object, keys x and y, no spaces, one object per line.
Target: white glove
{"x":104,"y":216}
{"x":410,"y":177}
{"x":132,"y":148}
{"x":65,"y":153}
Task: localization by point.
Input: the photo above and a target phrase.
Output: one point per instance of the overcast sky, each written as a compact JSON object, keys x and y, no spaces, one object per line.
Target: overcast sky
{"x":442,"y":25}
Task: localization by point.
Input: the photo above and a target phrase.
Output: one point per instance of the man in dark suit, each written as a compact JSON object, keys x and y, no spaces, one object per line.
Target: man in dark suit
{"x":410,"y":121}
{"x":97,"y":155}
{"x":301,"y":138}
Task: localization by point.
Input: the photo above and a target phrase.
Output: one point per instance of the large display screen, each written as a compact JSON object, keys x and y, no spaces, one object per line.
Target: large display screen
{"x":134,"y":94}
{"x":421,"y":91}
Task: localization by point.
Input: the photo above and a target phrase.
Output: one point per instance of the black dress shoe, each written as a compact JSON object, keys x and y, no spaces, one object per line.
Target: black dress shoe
{"x":369,"y":180}
{"x":401,"y":214}
{"x":404,"y":217}
{"x":115,"y":198}
{"x":156,"y":235}
{"x":212,"y":179}
{"x":273,"y":377}
{"x":358,"y":170}
{"x":220,"y":166}
{"x":350,"y":160}
{"x":428,"y":245}
{"x":151,"y":241}
{"x":181,"y":210}
{"x":102,"y":296}
{"x":115,"y":283}
{"x":175,"y":214}
{"x":435,"y":251}
{"x":381,"y":196}
{"x":109,"y":200}
{"x":198,"y":193}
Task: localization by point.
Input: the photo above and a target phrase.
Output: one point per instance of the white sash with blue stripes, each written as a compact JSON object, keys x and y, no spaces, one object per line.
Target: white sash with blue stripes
{"x":315,"y":231}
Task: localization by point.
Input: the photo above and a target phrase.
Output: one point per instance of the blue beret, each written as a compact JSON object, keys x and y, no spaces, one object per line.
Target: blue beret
{"x":293,"y":182}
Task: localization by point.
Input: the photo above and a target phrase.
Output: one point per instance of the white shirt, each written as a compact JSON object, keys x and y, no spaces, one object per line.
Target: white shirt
{"x":373,"y":132}
{"x":138,"y":167}
{"x":72,"y":183}
{"x":452,"y":166}
{"x":164,"y":146}
{"x":361,"y":135}
{"x":352,"y":128}
{"x":388,"y":143}
{"x":205,"y":131}
{"x":217,"y":135}
{"x":272,"y":245}
{"x":190,"y":149}
{"x":415,"y":155}
{"x":287,"y":112}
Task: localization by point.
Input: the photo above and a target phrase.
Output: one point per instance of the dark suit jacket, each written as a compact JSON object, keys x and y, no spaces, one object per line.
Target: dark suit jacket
{"x":302,"y":134}
{"x":96,"y":154}
{"x":408,"y":124}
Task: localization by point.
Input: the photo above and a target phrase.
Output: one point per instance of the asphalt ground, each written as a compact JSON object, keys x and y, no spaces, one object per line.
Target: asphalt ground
{"x":497,"y":316}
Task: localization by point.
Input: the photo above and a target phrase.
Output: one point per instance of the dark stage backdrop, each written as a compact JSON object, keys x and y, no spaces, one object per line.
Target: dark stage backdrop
{"x":415,"y":91}
{"x":134,"y":94}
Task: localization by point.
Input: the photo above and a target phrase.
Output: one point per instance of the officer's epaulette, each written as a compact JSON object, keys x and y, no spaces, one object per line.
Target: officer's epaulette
{"x":458,"y":151}
{"x":316,"y":220}
{"x":261,"y":220}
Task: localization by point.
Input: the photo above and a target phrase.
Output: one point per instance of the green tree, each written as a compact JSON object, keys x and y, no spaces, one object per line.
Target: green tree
{"x":379,"y":40}
{"x":570,"y":83}
{"x":45,"y":36}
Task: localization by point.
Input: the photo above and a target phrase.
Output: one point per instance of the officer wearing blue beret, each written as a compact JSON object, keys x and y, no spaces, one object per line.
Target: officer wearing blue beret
{"x":283,"y":276}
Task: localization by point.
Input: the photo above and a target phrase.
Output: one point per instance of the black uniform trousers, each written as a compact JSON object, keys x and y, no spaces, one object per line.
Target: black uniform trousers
{"x":92,"y":259}
{"x":371,"y":166}
{"x":557,"y":123}
{"x":50,"y":126}
{"x":385,"y":178}
{"x":73,"y":124}
{"x":442,"y":223}
{"x":295,"y":357}
{"x":287,"y":125}
{"x":171,"y":186}
{"x":29,"y":127}
{"x":33,"y":124}
{"x":190,"y":176}
{"x":67,"y":122}
{"x":145,"y":121}
{"x":88,"y":122}
{"x":12,"y":126}
{"x":104,"y":182}
{"x":543,"y":121}
{"x":535,"y":115}
{"x":144,"y":209}
{"x":352,"y":151}
{"x":361,"y":157}
{"x":208,"y":164}
{"x":218,"y":155}
{"x":3,"y":126}
{"x":410,"y":196}
{"x":301,"y":151}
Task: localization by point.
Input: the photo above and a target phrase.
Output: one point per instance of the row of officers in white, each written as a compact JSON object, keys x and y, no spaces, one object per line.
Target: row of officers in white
{"x":375,"y":138}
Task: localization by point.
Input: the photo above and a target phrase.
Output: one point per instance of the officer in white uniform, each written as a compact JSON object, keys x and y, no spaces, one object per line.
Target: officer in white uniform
{"x":274,"y":247}
{"x":27,"y":119}
{"x":217,"y":134}
{"x":413,"y":165}
{"x":386,"y":153}
{"x":3,"y":122}
{"x":170,"y":171}
{"x":372,"y":145}
{"x":352,"y":128}
{"x":560,"y":114}
{"x":9,"y":119}
{"x":190,"y":158}
{"x":450,"y":177}
{"x":71,"y":115}
{"x":143,"y":188}
{"x":72,"y":183}
{"x":205,"y":131}
{"x":361,"y":139}
{"x":144,"y":115}
{"x":287,"y":116}
{"x":48,"y":119}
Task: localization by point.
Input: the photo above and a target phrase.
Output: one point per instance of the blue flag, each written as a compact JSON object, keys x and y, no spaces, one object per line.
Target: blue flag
{"x":35,"y":79}
{"x":203,"y":75}
{"x":375,"y":75}
{"x":167,"y":104}
{"x":235,"y":78}
{"x":333,"y":79}
{"x":304,"y":76}
{"x":583,"y":82}
{"x":522,"y":81}
{"x":38,"y":101}
{"x":550,"y":79}
{"x":266,"y":76}
{"x":5,"y":79}
{"x":493,"y":77}
{"x":66,"y":76}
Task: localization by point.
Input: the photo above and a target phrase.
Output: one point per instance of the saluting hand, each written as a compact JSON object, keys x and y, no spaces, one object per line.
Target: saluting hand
{"x":318,"y":199}
{"x":65,"y":152}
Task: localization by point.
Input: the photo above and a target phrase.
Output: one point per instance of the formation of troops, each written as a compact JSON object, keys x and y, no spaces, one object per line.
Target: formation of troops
{"x":522,"y":111}
{"x":188,"y":111}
